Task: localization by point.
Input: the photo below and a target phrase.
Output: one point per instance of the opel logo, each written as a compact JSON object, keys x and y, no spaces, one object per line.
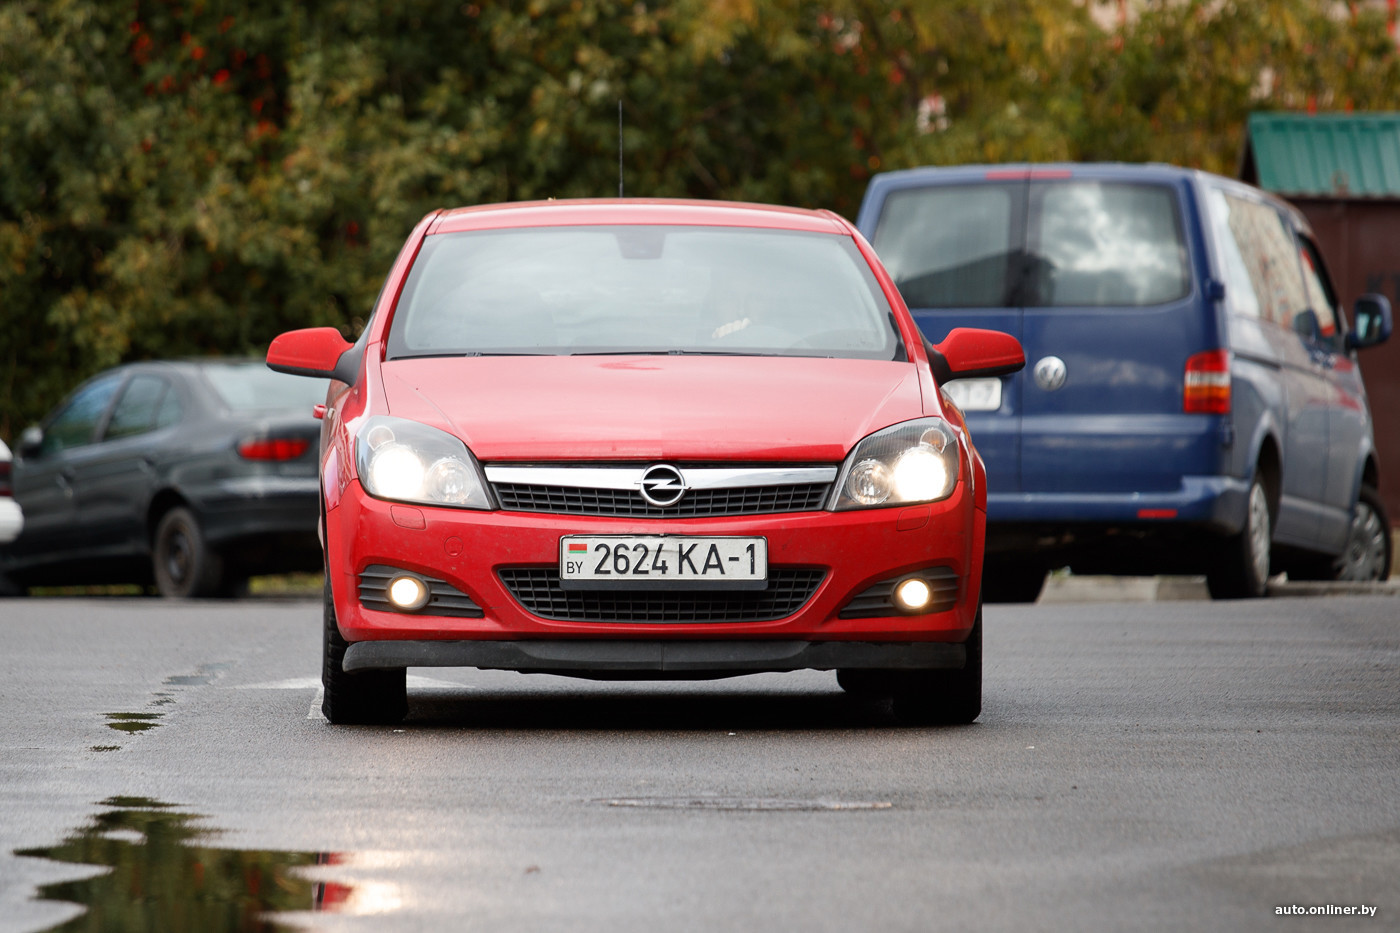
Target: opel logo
{"x":663,"y":485}
{"x":1050,"y":373}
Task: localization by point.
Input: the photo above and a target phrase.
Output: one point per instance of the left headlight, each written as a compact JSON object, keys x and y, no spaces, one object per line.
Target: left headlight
{"x":916,"y":461}
{"x":411,"y":462}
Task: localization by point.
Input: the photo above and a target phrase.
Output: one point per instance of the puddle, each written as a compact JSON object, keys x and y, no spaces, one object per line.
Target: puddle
{"x":165,"y":875}
{"x":204,"y":675}
{"x":132,"y":722}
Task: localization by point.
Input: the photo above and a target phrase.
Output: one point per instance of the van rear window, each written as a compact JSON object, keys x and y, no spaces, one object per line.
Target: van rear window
{"x":1037,"y":244}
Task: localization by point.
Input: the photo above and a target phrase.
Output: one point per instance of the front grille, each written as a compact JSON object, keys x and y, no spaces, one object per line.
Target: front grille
{"x":444,"y":599}
{"x":878,"y":600}
{"x":698,"y":503}
{"x":538,"y":590}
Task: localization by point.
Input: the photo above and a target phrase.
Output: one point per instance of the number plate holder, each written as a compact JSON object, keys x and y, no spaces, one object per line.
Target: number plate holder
{"x":663,"y":562}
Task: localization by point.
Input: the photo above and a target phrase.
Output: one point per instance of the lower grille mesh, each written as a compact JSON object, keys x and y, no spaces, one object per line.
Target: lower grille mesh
{"x":538,"y":590}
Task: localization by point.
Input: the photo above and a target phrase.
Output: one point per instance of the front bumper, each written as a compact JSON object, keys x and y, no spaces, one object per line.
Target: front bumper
{"x":470,"y":550}
{"x":602,"y":658}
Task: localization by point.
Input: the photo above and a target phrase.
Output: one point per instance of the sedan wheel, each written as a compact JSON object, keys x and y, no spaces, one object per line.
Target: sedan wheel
{"x":1368,"y":552}
{"x":183,"y":564}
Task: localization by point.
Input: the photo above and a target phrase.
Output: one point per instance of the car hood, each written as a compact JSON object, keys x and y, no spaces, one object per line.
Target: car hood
{"x":654,"y":407}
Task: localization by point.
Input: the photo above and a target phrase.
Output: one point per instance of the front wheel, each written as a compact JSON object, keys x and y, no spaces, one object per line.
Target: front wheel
{"x":366,"y":698}
{"x":183,"y":563}
{"x":1369,"y":544}
{"x":941,"y":697}
{"x":1241,"y":568}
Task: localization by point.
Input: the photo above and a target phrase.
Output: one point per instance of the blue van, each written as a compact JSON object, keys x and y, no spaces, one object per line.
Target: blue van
{"x":1191,"y":401}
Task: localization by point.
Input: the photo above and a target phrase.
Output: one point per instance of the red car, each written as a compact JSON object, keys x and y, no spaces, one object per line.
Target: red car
{"x":648,"y":439}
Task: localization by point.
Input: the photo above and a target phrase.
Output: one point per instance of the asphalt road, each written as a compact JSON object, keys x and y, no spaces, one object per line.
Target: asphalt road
{"x":1145,"y":766}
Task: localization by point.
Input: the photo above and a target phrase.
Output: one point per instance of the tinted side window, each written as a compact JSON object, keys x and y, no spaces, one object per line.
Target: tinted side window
{"x":1239,"y":287}
{"x":75,"y":425}
{"x":1270,"y":260}
{"x":1321,"y":298}
{"x":1098,"y":244}
{"x":136,"y":409}
{"x":951,"y":247}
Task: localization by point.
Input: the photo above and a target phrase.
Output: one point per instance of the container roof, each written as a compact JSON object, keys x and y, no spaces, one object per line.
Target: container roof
{"x":1334,"y":155}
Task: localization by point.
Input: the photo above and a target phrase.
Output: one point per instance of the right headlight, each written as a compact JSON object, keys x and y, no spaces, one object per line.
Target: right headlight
{"x":908,"y":463}
{"x":411,"y":462}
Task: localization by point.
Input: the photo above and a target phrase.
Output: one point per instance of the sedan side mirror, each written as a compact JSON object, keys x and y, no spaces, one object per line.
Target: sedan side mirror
{"x":969,"y":353}
{"x":313,"y":351}
{"x":1372,"y":313}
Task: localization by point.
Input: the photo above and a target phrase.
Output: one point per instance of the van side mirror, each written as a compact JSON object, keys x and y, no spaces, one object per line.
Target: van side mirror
{"x":969,"y":353}
{"x":1373,"y":323}
{"x":312,"y":351}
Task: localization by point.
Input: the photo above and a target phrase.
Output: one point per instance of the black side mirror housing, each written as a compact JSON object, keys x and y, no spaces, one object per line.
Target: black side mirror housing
{"x":1372,"y":322}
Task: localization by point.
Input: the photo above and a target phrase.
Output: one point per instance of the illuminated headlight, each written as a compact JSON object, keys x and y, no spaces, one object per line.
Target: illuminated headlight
{"x":916,"y":461}
{"x":411,"y":462}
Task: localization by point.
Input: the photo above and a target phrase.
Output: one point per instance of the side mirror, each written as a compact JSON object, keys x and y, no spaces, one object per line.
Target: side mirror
{"x":969,"y":353}
{"x":1372,"y":313}
{"x":312,"y":351}
{"x":31,"y":442}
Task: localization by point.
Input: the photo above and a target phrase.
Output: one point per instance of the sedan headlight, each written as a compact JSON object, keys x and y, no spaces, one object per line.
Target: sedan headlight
{"x":411,"y":462}
{"x":916,"y":461}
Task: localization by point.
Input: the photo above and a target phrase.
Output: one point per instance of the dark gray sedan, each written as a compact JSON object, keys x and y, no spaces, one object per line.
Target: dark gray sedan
{"x":191,"y":475}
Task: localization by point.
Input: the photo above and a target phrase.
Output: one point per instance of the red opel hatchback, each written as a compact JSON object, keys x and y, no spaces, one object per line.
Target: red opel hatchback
{"x":648,"y":439}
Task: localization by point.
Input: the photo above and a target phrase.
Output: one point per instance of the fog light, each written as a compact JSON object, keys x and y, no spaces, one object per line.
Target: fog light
{"x":408,"y":593}
{"x":912,"y":595}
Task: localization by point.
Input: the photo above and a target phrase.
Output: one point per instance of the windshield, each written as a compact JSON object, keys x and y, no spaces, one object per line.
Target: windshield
{"x":253,"y":387}
{"x":642,"y":289}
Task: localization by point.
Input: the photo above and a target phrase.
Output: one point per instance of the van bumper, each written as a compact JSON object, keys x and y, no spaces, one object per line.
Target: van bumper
{"x":1217,"y":502}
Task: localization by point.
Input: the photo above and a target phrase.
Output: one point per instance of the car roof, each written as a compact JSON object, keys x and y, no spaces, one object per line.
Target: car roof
{"x":1150,"y":171}
{"x":636,"y":211}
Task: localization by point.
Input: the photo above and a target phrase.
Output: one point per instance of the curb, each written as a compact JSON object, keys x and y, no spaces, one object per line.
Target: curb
{"x":1107,"y":589}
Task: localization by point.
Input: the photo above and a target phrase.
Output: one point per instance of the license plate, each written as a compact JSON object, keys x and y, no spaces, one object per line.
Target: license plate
{"x":975,"y":394}
{"x":662,"y":562}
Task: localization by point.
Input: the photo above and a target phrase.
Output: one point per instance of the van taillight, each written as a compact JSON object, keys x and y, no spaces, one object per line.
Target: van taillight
{"x":273,"y":448}
{"x":1207,"y":384}
{"x":6,"y":488}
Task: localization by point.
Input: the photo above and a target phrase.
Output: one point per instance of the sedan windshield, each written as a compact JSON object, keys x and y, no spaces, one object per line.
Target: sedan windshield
{"x":642,"y":289}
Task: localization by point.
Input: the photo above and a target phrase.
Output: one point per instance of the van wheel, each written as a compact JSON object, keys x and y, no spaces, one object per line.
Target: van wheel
{"x":1241,"y":568}
{"x":183,"y":563}
{"x":1369,"y":544}
{"x":366,"y":698}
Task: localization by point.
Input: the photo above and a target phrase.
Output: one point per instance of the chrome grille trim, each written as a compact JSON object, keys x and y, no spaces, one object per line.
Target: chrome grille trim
{"x":537,"y":590}
{"x":616,"y":490}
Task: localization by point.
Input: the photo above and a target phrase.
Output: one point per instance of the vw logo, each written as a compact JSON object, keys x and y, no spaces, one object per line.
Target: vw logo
{"x":1050,"y":373}
{"x":663,"y":485}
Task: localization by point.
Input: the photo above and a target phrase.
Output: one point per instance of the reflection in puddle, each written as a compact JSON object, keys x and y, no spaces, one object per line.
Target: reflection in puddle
{"x":132,"y":722}
{"x":164,"y":877}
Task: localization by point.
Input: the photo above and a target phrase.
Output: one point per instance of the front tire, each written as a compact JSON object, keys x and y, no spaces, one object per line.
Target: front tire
{"x":184,"y":565}
{"x":1241,"y":569}
{"x":1369,"y":545}
{"x":941,"y":697}
{"x":365,"y":698}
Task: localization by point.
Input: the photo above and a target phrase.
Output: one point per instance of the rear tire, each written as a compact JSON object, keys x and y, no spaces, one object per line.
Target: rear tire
{"x":366,"y":698}
{"x":1241,"y":568}
{"x":1369,"y":544}
{"x":184,"y":565}
{"x":937,"y":697}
